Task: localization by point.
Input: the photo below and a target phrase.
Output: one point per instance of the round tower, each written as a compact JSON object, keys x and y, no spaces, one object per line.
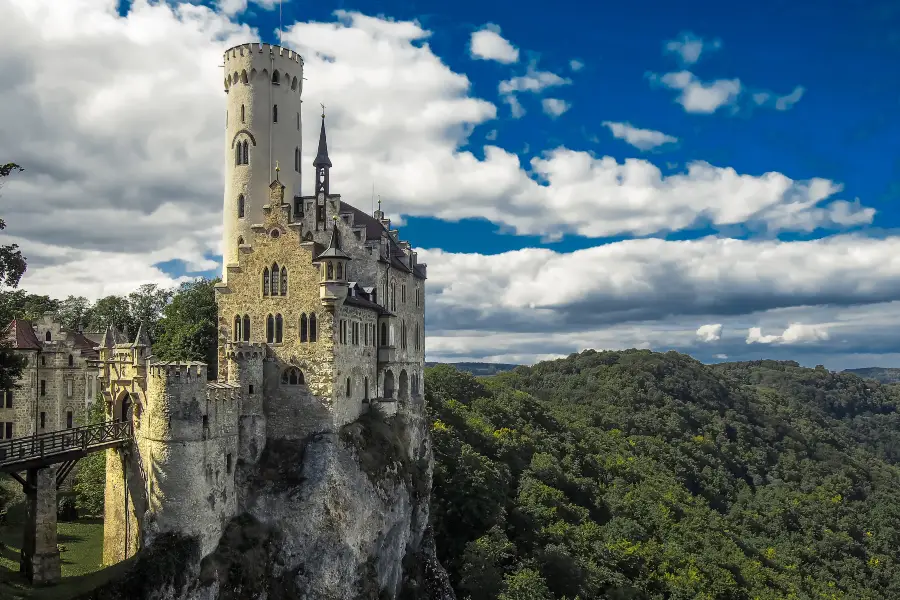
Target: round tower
{"x":263,"y":84}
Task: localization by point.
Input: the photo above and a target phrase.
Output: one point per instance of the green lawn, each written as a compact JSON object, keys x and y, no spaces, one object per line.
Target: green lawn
{"x":81,"y":568}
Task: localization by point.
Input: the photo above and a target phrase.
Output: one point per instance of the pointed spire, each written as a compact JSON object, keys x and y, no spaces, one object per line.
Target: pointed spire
{"x":109,"y":340}
{"x":322,"y":159}
{"x":142,"y":339}
{"x":334,"y":246}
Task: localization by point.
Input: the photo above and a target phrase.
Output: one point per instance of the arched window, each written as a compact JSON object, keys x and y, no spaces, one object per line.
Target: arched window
{"x":274,"y":113}
{"x":47,"y":336}
{"x":246,"y":152}
{"x":246,"y":328}
{"x":279,"y":328}
{"x":348,"y":387}
{"x":418,"y":346}
{"x":241,"y":206}
{"x":238,"y":155}
{"x":312,"y":327}
{"x":403,"y":335}
{"x":274,"y":288}
{"x":384,"y":334}
{"x":340,"y":271}
{"x":304,"y":335}
{"x":329,"y":272}
{"x":275,"y":77}
{"x":284,"y":281}
{"x":265,"y":281}
{"x":242,"y":113}
{"x":270,"y":329}
{"x":71,"y":360}
{"x":403,"y":293}
{"x":366,"y":388}
{"x":292,"y":376}
{"x":237,"y":328}
{"x":244,"y":78}
{"x":393,"y":296}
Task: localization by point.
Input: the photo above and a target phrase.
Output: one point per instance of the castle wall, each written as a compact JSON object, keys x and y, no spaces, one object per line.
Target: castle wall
{"x":248,"y":84}
{"x":188,"y":439}
{"x":355,"y":361}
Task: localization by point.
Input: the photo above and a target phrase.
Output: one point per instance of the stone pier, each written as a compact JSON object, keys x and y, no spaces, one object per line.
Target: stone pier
{"x":40,"y":555}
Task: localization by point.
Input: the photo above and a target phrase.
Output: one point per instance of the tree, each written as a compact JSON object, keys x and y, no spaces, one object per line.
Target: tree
{"x":19,"y":304}
{"x":146,"y":306}
{"x":188,"y":329}
{"x":90,"y":479}
{"x":12,"y":267}
{"x":73,"y":312}
{"x":112,"y":310}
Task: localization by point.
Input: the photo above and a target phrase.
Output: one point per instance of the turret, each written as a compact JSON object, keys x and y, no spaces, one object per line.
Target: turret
{"x":333,"y":269}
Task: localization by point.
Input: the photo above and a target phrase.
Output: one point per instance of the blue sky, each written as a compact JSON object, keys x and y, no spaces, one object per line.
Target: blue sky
{"x":692,"y":176}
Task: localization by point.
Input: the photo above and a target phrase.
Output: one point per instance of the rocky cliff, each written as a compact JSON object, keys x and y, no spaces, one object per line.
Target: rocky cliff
{"x":339,"y":515}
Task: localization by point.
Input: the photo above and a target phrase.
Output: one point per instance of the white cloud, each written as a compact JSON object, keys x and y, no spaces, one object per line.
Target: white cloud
{"x":515,"y":107}
{"x":488,"y":44}
{"x":796,"y":333}
{"x":786,"y":102}
{"x":709,"y":333}
{"x":689,"y":47}
{"x":642,"y":139}
{"x":554,"y":107}
{"x":720,"y":356}
{"x":576,"y":65}
{"x":533,"y":81}
{"x":491,"y":135}
{"x":236,"y":7}
{"x":698,"y":96}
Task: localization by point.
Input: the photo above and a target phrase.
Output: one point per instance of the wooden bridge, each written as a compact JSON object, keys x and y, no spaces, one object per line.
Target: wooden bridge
{"x":38,"y":456}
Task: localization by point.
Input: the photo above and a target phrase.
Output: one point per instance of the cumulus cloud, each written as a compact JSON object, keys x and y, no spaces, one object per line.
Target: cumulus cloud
{"x":688,"y":47}
{"x":488,"y":44}
{"x":576,"y":65}
{"x":709,"y":333}
{"x":236,"y":7}
{"x":554,"y":107}
{"x":642,"y":139}
{"x":533,"y":81}
{"x":699,"y":96}
{"x":796,"y":333}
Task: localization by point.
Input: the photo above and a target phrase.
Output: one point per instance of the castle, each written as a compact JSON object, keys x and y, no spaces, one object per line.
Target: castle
{"x":320,"y":318}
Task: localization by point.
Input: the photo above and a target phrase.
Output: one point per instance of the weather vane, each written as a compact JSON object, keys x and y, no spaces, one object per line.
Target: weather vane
{"x":323,"y":109}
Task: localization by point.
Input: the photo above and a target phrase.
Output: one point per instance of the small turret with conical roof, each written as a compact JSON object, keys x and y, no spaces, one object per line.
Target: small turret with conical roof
{"x":333,"y":265}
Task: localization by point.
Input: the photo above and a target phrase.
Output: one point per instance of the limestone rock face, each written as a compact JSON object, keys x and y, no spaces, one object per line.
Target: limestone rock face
{"x":340,"y":515}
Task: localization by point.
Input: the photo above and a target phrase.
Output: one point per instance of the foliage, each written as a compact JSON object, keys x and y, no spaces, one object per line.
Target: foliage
{"x":12,"y":267}
{"x":644,"y":475}
{"x":188,"y":328}
{"x":90,"y":477}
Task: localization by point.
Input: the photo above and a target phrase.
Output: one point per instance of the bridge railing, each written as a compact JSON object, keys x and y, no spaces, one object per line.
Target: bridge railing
{"x":46,"y":445}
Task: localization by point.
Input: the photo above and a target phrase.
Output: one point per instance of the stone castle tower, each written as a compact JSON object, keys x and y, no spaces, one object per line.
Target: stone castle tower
{"x":320,"y":319}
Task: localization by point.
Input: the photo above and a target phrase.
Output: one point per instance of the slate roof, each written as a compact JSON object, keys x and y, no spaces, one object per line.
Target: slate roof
{"x":20,"y":334}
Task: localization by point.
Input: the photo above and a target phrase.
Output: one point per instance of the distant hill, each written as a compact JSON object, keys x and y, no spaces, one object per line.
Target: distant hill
{"x":479,"y":369}
{"x":879,"y":374}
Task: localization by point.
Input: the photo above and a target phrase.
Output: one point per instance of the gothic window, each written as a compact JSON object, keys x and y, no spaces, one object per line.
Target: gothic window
{"x":329,"y":272}
{"x":292,"y":376}
{"x":71,"y":360}
{"x":47,"y":336}
{"x":237,"y":328}
{"x":266,"y":281}
{"x":242,"y":113}
{"x":340,"y":271}
{"x":366,"y":335}
{"x":384,"y":337}
{"x":312,"y":327}
{"x":303,"y":328}
{"x":237,"y":154}
{"x":417,"y":337}
{"x":417,"y":296}
{"x":403,"y":335}
{"x":270,"y":329}
{"x":393,"y":296}
{"x":275,"y":77}
{"x":348,"y":387}
{"x":241,"y":206}
{"x":274,"y":287}
{"x":246,"y":328}
{"x":246,"y":160}
{"x":279,"y":328}
{"x":274,"y":113}
{"x":284,"y":281}
{"x":366,"y":388}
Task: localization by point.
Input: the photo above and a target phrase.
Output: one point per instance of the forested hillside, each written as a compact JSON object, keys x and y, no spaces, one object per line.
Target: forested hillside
{"x":643,"y":475}
{"x":478,"y":368}
{"x":879,"y":374}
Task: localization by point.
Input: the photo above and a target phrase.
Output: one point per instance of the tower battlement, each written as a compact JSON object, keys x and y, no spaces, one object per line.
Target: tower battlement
{"x":265,"y":49}
{"x":177,"y":372}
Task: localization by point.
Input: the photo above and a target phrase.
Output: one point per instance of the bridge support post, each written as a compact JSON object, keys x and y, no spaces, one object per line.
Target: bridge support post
{"x":40,"y":554}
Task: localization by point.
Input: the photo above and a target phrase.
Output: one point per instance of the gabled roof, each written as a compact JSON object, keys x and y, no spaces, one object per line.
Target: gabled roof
{"x":20,"y":334}
{"x":334,"y":246}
